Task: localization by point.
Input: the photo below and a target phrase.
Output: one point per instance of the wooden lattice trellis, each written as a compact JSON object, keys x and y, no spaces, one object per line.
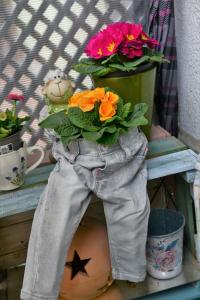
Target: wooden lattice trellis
{"x":39,"y":35}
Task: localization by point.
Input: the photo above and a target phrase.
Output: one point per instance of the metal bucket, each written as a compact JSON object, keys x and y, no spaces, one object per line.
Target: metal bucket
{"x":165,"y":243}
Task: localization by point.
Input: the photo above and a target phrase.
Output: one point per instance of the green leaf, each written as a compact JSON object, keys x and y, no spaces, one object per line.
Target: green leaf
{"x":158,"y":58}
{"x":137,"y":62}
{"x":140,"y":109}
{"x":104,"y":71}
{"x":108,"y":138}
{"x":3,"y":135}
{"x":87,"y":69}
{"x":122,"y":130}
{"x":55,"y":120}
{"x":83,"y":120}
{"x":126,"y":110}
{"x":111,"y":128}
{"x":120,"y":107}
{"x":5,"y":130}
{"x":88,"y":61}
{"x":95,"y":136}
{"x":114,"y":118}
{"x":118,"y":66}
{"x":113,"y":58}
{"x":134,"y":122}
{"x":67,"y":130}
{"x":67,"y":139}
{"x":137,"y":118}
{"x":92,"y":136}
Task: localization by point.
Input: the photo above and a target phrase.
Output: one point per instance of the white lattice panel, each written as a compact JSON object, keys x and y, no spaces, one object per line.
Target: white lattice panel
{"x":39,"y":35}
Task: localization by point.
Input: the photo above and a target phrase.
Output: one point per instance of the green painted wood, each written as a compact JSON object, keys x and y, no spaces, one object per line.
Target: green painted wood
{"x":173,"y":163}
{"x":185,"y":205}
{"x":189,"y":176}
{"x":165,"y":146}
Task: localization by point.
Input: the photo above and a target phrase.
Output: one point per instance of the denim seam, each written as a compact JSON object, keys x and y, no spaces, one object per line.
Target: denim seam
{"x":112,"y":246}
{"x":37,"y":247}
{"x":38,"y":295}
{"x":131,"y":277}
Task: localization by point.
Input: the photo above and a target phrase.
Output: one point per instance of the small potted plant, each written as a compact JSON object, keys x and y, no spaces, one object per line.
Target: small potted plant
{"x":98,"y":115}
{"x":123,"y":57}
{"x":11,"y":125}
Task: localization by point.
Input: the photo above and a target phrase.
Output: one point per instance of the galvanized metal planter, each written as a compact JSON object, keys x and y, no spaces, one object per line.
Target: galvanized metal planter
{"x":135,"y":87}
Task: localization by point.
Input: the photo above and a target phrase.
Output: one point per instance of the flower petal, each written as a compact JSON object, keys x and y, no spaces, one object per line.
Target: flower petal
{"x":15,"y":96}
{"x":106,"y":111}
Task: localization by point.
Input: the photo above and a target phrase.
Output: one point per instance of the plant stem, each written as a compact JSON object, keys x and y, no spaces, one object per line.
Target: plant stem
{"x":14,"y":108}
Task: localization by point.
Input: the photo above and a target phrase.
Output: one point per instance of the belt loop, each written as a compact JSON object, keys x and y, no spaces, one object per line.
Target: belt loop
{"x":74,"y":150}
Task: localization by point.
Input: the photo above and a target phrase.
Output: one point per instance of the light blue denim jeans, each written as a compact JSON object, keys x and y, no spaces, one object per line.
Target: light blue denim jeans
{"x":117,"y":175}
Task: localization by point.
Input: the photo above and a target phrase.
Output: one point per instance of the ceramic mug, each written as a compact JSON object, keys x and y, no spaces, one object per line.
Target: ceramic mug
{"x":13,"y":167}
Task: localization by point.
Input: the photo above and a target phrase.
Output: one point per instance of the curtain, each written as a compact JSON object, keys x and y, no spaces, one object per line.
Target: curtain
{"x":161,"y":27}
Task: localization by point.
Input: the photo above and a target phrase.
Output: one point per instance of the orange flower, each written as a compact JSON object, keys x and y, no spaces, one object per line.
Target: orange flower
{"x":86,"y":104}
{"x":111,"y":98}
{"x":106,"y":110}
{"x":75,"y":99}
{"x":98,"y":94}
{"x":86,"y":99}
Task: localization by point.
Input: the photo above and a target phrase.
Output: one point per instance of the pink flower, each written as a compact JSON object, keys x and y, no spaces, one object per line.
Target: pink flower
{"x":166,"y":260}
{"x":104,"y":43}
{"x":121,"y":37}
{"x":130,"y":31}
{"x":15,"y":97}
{"x":94,"y":46}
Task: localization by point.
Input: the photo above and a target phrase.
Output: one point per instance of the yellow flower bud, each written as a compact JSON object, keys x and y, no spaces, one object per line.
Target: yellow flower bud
{"x":3,"y":116}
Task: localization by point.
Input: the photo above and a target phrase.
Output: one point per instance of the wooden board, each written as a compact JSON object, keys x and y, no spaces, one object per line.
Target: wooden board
{"x":173,"y":163}
{"x":27,"y":197}
{"x":165,"y":146}
{"x":185,"y":204}
{"x":14,"y":236}
{"x":14,"y":282}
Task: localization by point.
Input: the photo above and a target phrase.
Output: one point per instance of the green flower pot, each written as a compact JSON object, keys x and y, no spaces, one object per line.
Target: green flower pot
{"x":135,"y":87}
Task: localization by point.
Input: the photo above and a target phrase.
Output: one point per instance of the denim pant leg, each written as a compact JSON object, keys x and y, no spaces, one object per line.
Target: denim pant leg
{"x":126,"y":207}
{"x":57,"y":216}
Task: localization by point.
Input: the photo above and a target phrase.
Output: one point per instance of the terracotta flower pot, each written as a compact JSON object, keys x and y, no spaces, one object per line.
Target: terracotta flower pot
{"x":135,"y":87}
{"x":113,"y":293}
{"x":88,"y":271}
{"x":10,"y":143}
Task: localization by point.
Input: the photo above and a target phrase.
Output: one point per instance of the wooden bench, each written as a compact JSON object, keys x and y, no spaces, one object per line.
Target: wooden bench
{"x":166,"y":157}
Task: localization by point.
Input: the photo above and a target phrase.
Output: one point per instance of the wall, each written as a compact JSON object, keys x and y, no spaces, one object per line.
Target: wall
{"x":187,"y":22}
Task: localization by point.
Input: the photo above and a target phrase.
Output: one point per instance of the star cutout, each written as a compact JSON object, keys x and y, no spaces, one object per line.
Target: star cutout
{"x":77,"y":265}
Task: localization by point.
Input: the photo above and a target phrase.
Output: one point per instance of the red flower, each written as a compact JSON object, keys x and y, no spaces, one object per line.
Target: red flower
{"x":15,"y":97}
{"x":131,"y":49}
{"x":151,"y":43}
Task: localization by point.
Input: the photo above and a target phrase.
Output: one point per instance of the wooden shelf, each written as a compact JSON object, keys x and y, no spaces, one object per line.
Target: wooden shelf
{"x":190,"y":273}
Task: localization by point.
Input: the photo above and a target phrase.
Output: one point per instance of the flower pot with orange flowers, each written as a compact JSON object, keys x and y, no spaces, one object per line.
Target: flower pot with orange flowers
{"x":11,"y":126}
{"x":123,"y":57}
{"x":98,"y":115}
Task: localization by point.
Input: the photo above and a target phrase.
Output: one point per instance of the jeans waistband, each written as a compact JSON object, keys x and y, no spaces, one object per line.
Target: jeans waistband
{"x":131,"y":141}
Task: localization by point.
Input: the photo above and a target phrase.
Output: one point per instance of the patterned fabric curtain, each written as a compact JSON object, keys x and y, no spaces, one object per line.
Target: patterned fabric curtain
{"x":161,"y":26}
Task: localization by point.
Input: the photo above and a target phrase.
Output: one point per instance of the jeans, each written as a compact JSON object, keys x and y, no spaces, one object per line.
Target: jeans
{"x":116,"y":174}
